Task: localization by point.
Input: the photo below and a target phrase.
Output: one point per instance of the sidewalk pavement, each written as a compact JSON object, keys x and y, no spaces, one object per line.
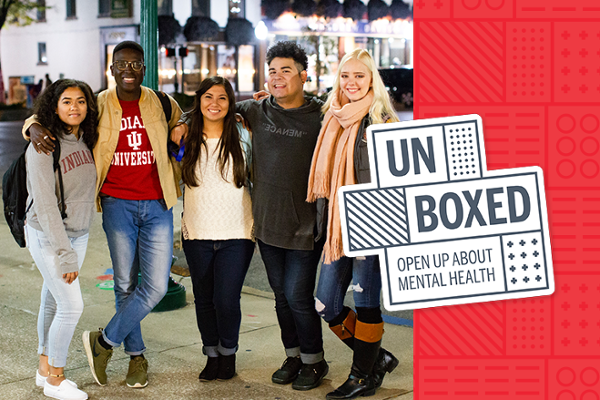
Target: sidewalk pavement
{"x":172,"y":338}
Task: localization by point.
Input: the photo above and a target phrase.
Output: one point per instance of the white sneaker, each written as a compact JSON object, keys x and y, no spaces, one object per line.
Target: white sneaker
{"x":64,"y":391}
{"x":40,"y":380}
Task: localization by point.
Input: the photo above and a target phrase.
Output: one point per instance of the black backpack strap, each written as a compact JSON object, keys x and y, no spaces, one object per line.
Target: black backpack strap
{"x":56,"y":157}
{"x":166,"y":104}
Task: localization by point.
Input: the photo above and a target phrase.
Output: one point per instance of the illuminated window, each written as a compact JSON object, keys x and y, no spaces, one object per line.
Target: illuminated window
{"x":42,"y":59}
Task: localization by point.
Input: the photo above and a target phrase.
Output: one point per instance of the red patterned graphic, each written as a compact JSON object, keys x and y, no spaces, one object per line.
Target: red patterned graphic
{"x":483,"y":9}
{"x":557,"y":9}
{"x":528,"y":327}
{"x":462,"y":62}
{"x":573,"y":149}
{"x":466,"y":330}
{"x":573,"y":379}
{"x":505,"y":379}
{"x":574,"y":219}
{"x":504,"y":148}
{"x":577,"y":315}
{"x":531,"y":69}
{"x":577,"y":61}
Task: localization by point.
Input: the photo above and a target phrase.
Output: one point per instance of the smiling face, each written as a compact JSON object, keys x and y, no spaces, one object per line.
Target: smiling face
{"x":214,"y":104}
{"x":355,"y":80}
{"x":72,"y":108}
{"x":285,"y":82}
{"x":129,"y":82}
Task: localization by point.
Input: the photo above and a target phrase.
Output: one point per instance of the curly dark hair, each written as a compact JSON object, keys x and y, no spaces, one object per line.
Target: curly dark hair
{"x":288,"y":50}
{"x":229,"y":145}
{"x":47,"y":102}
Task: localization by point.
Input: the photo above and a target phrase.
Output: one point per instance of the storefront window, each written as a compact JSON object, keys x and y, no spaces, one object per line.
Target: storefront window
{"x":205,"y":60}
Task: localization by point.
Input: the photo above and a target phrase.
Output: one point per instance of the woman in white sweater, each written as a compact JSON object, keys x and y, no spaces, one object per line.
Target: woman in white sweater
{"x":217,"y":221}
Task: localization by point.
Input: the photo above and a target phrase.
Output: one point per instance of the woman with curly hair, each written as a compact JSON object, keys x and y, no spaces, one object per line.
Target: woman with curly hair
{"x":358,"y":99}
{"x":57,"y":234}
{"x":217,"y":221}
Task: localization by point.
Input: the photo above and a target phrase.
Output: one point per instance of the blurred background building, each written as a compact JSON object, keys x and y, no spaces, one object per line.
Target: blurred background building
{"x":201,"y":38}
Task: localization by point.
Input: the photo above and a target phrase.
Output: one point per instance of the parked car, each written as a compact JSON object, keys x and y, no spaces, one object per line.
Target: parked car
{"x":399,"y":83}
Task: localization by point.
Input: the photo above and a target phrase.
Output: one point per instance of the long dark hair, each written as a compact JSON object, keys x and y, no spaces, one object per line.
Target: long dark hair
{"x":229,"y":142}
{"x":47,"y":102}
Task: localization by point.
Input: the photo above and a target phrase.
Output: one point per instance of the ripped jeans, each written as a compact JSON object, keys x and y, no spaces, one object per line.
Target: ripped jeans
{"x":335,"y":279}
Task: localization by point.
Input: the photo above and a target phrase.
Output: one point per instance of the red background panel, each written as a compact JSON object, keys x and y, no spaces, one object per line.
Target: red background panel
{"x":531,"y":69}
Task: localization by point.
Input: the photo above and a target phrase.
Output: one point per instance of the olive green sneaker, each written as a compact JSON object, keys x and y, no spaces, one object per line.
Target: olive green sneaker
{"x":137,"y":375}
{"x":98,"y":357}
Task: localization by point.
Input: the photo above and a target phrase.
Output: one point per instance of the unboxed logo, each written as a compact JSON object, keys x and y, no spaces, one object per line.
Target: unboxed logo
{"x":447,"y":230}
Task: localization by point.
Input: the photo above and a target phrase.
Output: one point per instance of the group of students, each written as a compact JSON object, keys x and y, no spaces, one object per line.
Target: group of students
{"x":275,"y":185}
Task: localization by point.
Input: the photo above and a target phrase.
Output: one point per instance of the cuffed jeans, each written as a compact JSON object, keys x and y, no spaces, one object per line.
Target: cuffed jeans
{"x":61,"y":304}
{"x":292,"y":275}
{"x":335,"y":279}
{"x":140,"y":239}
{"x":218,"y":269}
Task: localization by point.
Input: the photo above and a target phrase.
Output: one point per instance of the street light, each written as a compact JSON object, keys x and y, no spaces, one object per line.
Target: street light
{"x":261,"y":31}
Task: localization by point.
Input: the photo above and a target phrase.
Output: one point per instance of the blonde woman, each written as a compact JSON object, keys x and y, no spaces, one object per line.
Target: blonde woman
{"x":358,"y":99}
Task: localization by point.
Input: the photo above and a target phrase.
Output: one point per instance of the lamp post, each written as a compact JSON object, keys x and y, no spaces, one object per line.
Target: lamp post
{"x":149,"y":41}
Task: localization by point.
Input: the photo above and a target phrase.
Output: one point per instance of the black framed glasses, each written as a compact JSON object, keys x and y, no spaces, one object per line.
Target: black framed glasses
{"x":122,"y":65}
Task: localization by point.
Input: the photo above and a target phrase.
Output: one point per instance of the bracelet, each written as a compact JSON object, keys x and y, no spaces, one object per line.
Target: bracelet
{"x":56,"y":376}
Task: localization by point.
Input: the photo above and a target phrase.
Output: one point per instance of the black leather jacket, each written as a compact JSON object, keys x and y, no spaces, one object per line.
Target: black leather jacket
{"x":362,"y":171}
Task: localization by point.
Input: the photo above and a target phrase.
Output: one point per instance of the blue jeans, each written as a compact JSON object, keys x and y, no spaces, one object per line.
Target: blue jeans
{"x":61,"y":304}
{"x":218,"y":269}
{"x":140,"y":239}
{"x":292,"y":275}
{"x":335,"y":279}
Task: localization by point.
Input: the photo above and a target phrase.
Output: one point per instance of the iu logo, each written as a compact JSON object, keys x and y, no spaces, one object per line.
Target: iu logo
{"x":134,"y":140}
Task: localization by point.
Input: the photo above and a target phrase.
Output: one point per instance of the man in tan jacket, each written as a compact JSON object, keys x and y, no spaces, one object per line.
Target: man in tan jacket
{"x":135,"y":190}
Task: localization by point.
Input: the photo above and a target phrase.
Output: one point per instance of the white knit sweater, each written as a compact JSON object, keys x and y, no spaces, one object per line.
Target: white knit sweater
{"x":216,"y":209}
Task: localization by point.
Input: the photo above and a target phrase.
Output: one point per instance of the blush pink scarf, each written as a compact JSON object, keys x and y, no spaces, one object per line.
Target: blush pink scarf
{"x":333,"y":164}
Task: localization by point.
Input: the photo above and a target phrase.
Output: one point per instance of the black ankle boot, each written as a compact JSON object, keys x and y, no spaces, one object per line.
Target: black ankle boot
{"x":356,"y":385}
{"x":209,"y":373}
{"x":386,"y":362}
{"x":226,"y":367}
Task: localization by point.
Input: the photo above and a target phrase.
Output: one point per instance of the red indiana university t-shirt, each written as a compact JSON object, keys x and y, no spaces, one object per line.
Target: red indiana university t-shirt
{"x":133,"y":174}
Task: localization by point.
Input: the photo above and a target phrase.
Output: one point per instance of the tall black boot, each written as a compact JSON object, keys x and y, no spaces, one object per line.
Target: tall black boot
{"x":367,"y":342}
{"x":344,"y":326}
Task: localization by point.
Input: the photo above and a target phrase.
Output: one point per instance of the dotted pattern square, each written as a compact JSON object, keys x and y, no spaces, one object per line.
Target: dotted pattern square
{"x":524,"y":264}
{"x":528,"y":52}
{"x":573,"y":151}
{"x":528,"y":327}
{"x":577,"y":315}
{"x":462,"y":151}
{"x":573,"y":379}
{"x":574,"y":230}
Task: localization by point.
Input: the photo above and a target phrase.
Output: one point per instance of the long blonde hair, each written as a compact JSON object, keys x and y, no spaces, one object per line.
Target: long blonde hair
{"x":381,"y":106}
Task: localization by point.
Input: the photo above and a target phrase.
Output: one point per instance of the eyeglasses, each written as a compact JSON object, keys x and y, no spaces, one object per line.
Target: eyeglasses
{"x":122,"y":65}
